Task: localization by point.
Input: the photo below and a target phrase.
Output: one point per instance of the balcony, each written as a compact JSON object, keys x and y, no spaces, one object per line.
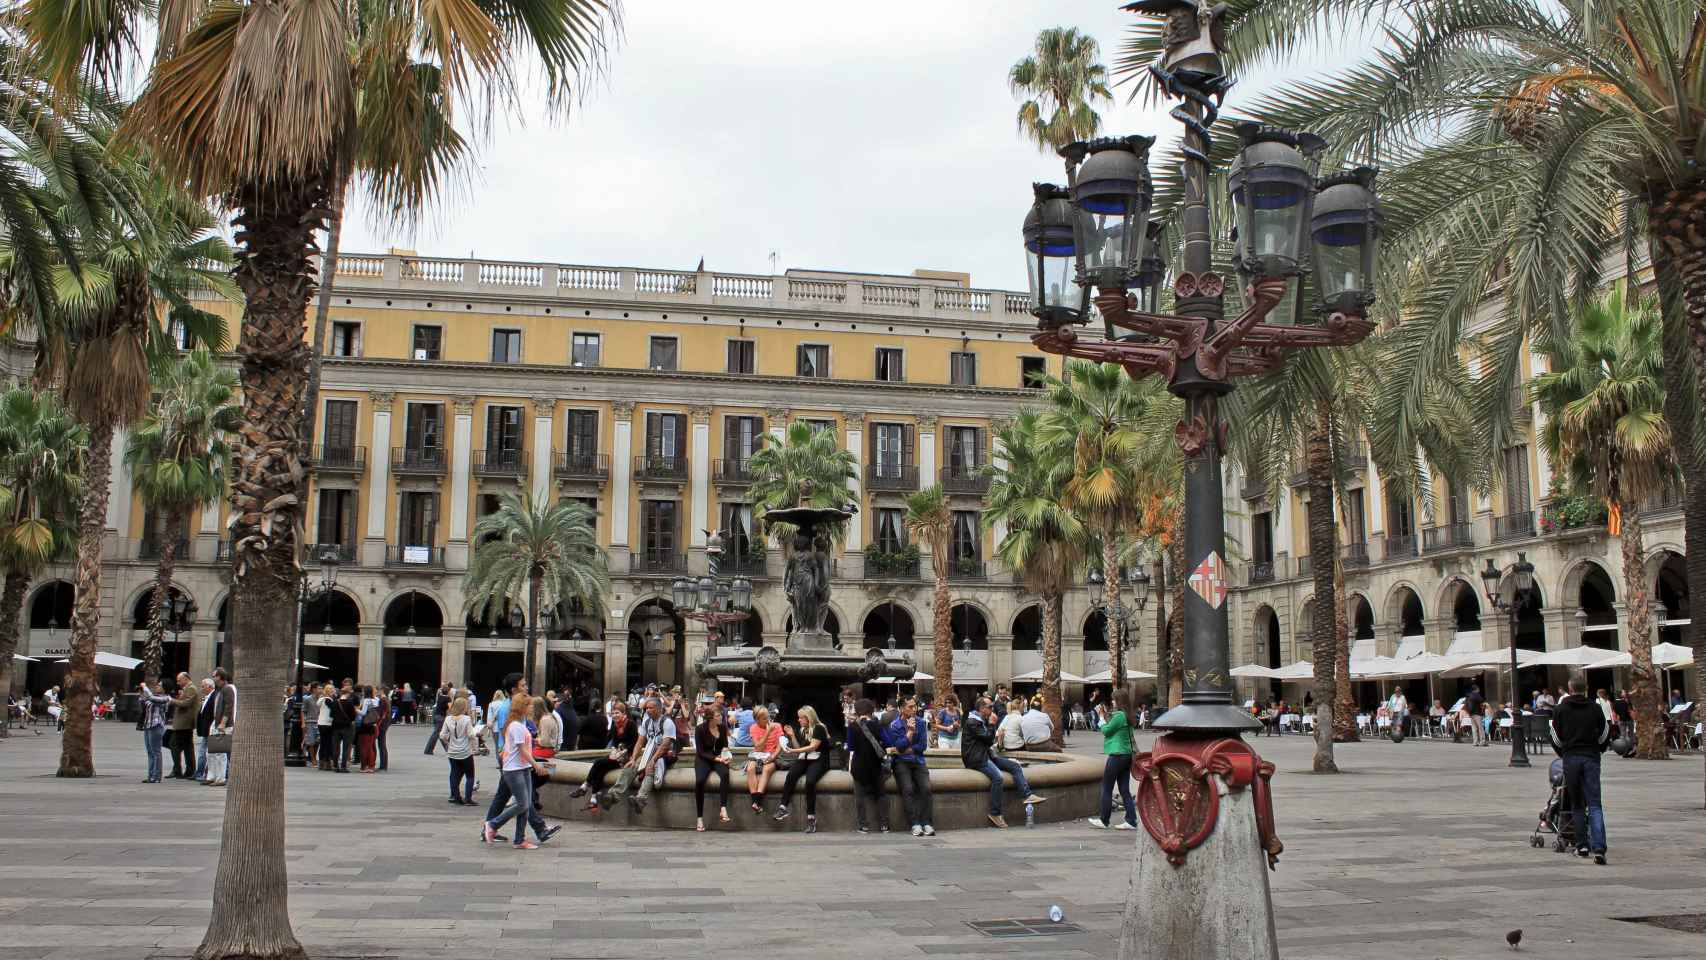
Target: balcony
{"x":1665,"y":503}
{"x":418,"y":461}
{"x":311,"y":553}
{"x":649,"y":467}
{"x":1305,"y":569}
{"x":657,"y":563}
{"x":409,"y":556}
{"x":1516,"y":526}
{"x":510,"y":464}
{"x":222,"y":552}
{"x":892,"y":566}
{"x":1450,"y":536}
{"x":741,"y":565}
{"x":1262,"y":571}
{"x":966,"y":569}
{"x":965,"y":478}
{"x":149,"y":549}
{"x":731,"y":473}
{"x":338,"y":459}
{"x":581,"y":466}
{"x":1254,"y":489}
{"x":1355,"y":555}
{"x":1400,"y":546}
{"x":1356,"y":461}
{"x":895,"y":477}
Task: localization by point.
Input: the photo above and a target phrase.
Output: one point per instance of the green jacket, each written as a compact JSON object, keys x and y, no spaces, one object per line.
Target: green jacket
{"x":1116,"y":734}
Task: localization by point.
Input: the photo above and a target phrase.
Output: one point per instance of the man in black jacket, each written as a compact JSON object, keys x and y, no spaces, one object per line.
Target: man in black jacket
{"x":1580,"y":734}
{"x":440,"y":710}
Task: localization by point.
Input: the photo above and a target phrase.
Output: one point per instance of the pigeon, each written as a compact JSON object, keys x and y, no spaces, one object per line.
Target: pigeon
{"x":1514,"y":938}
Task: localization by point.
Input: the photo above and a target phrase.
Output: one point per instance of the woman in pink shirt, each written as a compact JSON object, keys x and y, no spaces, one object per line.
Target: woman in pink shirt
{"x":761,"y":762}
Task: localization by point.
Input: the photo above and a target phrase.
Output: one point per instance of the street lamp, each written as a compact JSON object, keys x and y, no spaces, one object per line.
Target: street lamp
{"x":1521,"y":590}
{"x":718,"y":604}
{"x":307,"y":593}
{"x":1201,"y":351}
{"x":1121,"y":616}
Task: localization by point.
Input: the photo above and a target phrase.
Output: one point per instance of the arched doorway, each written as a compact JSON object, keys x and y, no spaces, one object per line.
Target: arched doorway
{"x":889,"y":627}
{"x":1363,"y":648}
{"x":1097,"y":657}
{"x":1465,"y":608}
{"x":332,"y":637}
{"x":655,"y":644}
{"x":1028,"y":640}
{"x":174,"y":646}
{"x":1268,"y":645}
{"x":1410,"y":614}
{"x":414,"y":622}
{"x":1305,"y":635}
{"x":1670,"y":590}
{"x":49,"y":639}
{"x":971,"y":648}
{"x":1597,"y":616}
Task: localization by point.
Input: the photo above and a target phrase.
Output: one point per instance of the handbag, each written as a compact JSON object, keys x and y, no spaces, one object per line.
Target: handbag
{"x":219,"y":743}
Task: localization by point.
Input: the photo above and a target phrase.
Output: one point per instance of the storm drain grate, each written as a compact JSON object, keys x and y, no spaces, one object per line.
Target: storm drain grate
{"x":1013,"y":929}
{"x":1684,"y":922}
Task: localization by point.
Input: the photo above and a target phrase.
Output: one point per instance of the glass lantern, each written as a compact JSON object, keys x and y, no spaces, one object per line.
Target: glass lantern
{"x":1272,"y":184}
{"x":1051,"y":257}
{"x":1345,"y":230}
{"x":1111,"y":190}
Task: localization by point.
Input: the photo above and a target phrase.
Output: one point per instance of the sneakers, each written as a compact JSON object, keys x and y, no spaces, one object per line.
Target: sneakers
{"x":487,"y":834}
{"x":550,"y":832}
{"x":527,"y":845}
{"x":1033,"y":798}
{"x":639,"y":803}
{"x":1599,"y":858}
{"x":997,"y":821}
{"x":811,"y":824}
{"x":861,"y":828}
{"x":578,"y":792}
{"x":1122,"y":825}
{"x":781,"y":813}
{"x":917,"y":830}
{"x":929,"y":830}
{"x":884,"y":828}
{"x":1098,"y":823}
{"x":1582,"y":852}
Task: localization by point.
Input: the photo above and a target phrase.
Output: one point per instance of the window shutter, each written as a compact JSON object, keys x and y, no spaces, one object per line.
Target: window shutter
{"x":654,"y":440}
{"x":731,"y":439}
{"x":907,"y":434}
{"x":680,"y":436}
{"x":349,"y":538}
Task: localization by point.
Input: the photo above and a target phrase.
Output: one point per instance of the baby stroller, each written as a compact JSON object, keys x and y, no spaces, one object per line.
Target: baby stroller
{"x":1555,"y":817}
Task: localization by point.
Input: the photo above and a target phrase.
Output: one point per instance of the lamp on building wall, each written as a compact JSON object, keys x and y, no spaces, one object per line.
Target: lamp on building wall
{"x":1519,"y":585}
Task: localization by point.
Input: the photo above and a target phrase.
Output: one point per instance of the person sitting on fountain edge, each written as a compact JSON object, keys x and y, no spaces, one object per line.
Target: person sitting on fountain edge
{"x":976,"y":753}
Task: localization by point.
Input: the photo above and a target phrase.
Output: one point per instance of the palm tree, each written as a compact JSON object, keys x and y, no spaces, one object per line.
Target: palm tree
{"x":549,"y":550}
{"x":268,"y":106}
{"x":1092,"y":421}
{"x":40,"y":462}
{"x":1607,"y":433}
{"x":806,"y":461}
{"x":177,"y":456}
{"x":117,"y":304}
{"x":1062,"y":80}
{"x":929,"y":521}
{"x":1045,"y":541}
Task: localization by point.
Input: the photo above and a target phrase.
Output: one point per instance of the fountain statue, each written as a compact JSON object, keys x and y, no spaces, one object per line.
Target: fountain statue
{"x":810,"y":669}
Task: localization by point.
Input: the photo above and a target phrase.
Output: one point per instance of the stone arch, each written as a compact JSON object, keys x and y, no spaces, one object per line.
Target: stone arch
{"x":1667,"y":575}
{"x":1027,"y":627}
{"x":1404,"y":608}
{"x":1303,"y":637}
{"x":413,"y":609}
{"x":339,"y":613}
{"x":1269,"y":646}
{"x":1578,"y":573}
{"x":969,"y":622}
{"x":1360,"y":616}
{"x":884,"y":620}
{"x":919,"y":618}
{"x":1461,"y":600}
{"x":142,"y":598}
{"x":50,"y":605}
{"x":1095,"y":631}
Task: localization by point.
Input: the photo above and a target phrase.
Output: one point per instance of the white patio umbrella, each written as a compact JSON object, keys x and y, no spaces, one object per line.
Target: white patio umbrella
{"x":1481,"y":661}
{"x":1668,"y":655}
{"x":19,"y":656}
{"x":114,"y":660}
{"x":311,"y":665}
{"x":1036,"y":676}
{"x":1573,"y":657}
{"x":1301,"y":670}
{"x":1107,"y":676}
{"x":1251,"y":671}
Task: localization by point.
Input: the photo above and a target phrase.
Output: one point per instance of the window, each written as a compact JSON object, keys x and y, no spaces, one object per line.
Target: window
{"x":346,"y":339}
{"x":740,"y":437}
{"x":181,"y":335}
{"x":734,"y":521}
{"x":663,"y":356}
{"x":890,"y":365}
{"x":1032,"y":370}
{"x":890,"y":529}
{"x":1356,"y":523}
{"x":418,"y":519}
{"x":1458,"y":507}
{"x":1400,"y":520}
{"x":340,"y":428}
{"x":337,"y":517}
{"x":427,"y":342}
{"x":583,"y":350}
{"x":423,"y":427}
{"x":962,"y":368}
{"x":1262,"y":538}
{"x":812,"y":360}
{"x":658,"y":522}
{"x":506,"y":346}
{"x":743,"y":356}
{"x":666,"y":440}
{"x":1516,"y":480}
{"x":965,"y":451}
{"x":583,"y":434}
{"x":818,"y":425}
{"x":488,"y":505}
{"x":503,"y":436}
{"x":967,"y":545}
{"x":891,"y":450}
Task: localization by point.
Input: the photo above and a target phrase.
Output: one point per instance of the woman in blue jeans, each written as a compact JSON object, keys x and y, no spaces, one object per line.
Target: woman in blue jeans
{"x":518,"y":770}
{"x":153,"y":705}
{"x":1116,"y":769}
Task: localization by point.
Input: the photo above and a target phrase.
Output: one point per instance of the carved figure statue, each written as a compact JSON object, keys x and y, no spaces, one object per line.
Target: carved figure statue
{"x":807,"y":585}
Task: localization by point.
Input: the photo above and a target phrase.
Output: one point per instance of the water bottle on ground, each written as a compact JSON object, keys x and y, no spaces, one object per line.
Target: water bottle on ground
{"x":1030,"y":814}
{"x":1055,"y":914}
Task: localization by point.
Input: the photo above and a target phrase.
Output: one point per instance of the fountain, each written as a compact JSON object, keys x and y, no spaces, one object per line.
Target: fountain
{"x":810,"y":670}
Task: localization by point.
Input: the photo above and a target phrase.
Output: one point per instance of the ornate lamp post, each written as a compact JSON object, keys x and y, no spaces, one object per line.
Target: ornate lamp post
{"x":1183,"y":906}
{"x":307,"y":593}
{"x":1521,"y":594}
{"x":180,"y":617}
{"x":716,"y":603}
{"x":1121,"y":616}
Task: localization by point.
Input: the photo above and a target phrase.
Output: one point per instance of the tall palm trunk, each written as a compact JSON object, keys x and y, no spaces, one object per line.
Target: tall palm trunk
{"x":1680,"y":376}
{"x":1051,"y":663}
{"x":160,"y":609}
{"x":941,"y":626}
{"x":251,"y":917}
{"x":531,"y":666}
{"x":1344,"y":708}
{"x":1324,"y":549}
{"x":11,"y":604}
{"x":323,"y":308}
{"x":1111,"y":594}
{"x":76,"y":752}
{"x":1648,"y":705}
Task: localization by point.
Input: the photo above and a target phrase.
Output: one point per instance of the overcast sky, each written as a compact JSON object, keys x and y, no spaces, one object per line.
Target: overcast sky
{"x":875,"y":136}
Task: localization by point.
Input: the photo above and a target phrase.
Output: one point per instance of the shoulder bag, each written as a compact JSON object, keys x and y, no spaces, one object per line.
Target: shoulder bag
{"x":887,"y":761}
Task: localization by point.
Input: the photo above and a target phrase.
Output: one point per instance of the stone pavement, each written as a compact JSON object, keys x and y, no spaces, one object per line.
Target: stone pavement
{"x":1421,"y":850}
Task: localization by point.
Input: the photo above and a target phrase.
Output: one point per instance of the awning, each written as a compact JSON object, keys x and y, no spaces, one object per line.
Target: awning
{"x":1036,"y":676}
{"x":1573,"y":657}
{"x":1484,"y":660}
{"x":1363,"y":649}
{"x":1107,"y":676}
{"x":1464,"y":641}
{"x":1411,"y":647}
{"x":311,"y":665}
{"x":1301,"y":670}
{"x":1667,"y":655}
{"x":114,"y":660}
{"x":1251,"y":671}
{"x":19,"y":656}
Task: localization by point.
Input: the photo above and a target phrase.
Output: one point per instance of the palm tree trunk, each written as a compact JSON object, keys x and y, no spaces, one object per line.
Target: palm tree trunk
{"x":1051,"y":664}
{"x":11,"y":604}
{"x":1679,"y":415}
{"x":1648,"y":705}
{"x":532,"y":664}
{"x":161,"y":606}
{"x":1323,"y":549}
{"x":76,"y":751}
{"x":323,"y":308}
{"x":251,"y":917}
{"x":1344,"y":708}
{"x":1111,"y":594}
{"x":941,"y":626}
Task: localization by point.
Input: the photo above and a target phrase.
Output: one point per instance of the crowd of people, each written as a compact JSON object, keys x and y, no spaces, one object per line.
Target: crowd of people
{"x":193,"y":720}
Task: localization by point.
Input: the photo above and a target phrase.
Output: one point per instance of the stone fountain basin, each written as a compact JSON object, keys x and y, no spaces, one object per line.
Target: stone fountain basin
{"x":1071,"y":784}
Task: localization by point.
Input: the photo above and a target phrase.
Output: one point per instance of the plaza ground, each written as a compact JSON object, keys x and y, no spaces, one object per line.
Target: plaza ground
{"x":1420,"y":850}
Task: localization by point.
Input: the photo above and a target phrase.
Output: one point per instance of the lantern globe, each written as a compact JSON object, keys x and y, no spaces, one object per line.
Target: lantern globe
{"x":1051,"y":254}
{"x":1271,"y":184}
{"x":1111,"y":189}
{"x":1345,"y":225}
